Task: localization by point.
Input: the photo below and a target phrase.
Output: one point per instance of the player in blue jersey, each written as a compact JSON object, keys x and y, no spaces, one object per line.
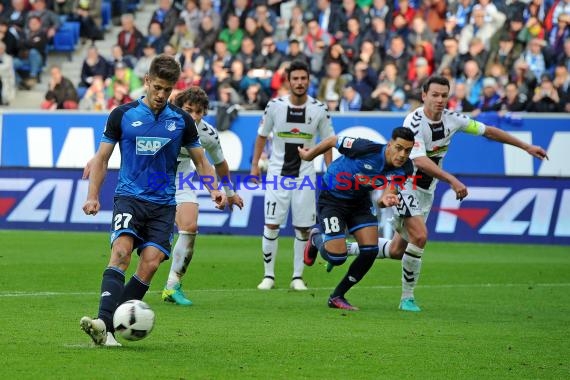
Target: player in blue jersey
{"x":150,"y":132}
{"x":344,"y":203}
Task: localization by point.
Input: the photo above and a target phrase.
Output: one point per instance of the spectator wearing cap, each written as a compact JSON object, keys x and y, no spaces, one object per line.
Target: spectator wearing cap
{"x":167,"y":16}
{"x":399,"y":103}
{"x":490,"y":100}
{"x":191,"y":57}
{"x":545,"y":98}
{"x":181,"y":36}
{"x":130,"y":39}
{"x":413,"y":86}
{"x":332,"y":100}
{"x":155,"y":37}
{"x":513,"y":100}
{"x":351,"y":99}
{"x":232,"y":34}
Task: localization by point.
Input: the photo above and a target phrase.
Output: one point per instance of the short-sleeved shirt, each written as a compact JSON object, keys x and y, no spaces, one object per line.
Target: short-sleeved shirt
{"x":149,"y":145}
{"x":361,"y":169}
{"x":432,"y":138}
{"x":292,"y":127}
{"x":210,"y":141}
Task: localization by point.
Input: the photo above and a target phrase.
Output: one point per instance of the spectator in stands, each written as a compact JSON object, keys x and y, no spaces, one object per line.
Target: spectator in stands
{"x":352,"y":38}
{"x":265,"y":18}
{"x":500,"y":74}
{"x":295,"y":52}
{"x":221,"y":53}
{"x":450,"y":30}
{"x":532,"y":29}
{"x":167,"y":16}
{"x":399,"y":103}
{"x":126,"y":75}
{"x":207,"y":10}
{"x":207,"y":36}
{"x":413,"y":87}
{"x":564,"y":57}
{"x":7,"y":77}
{"x":461,"y":10}
{"x":379,"y":9}
{"x":269,"y":57}
{"x":17,"y":16}
{"x":190,"y":57}
{"x":490,"y":99}
{"x":333,"y":102}
{"x":143,"y":63}
{"x":255,"y":98}
{"x":397,"y":54}
{"x":247,"y":53}
{"x":351,"y":100}
{"x":94,"y":65}
{"x":513,"y":100}
{"x":8,"y":39}
{"x":181,"y":35}
{"x":559,"y":33}
{"x":155,"y":37}
{"x":237,"y":77}
{"x":476,"y":52}
{"x":93,"y":8}
{"x":130,"y":39}
{"x":49,"y":19}
{"x":364,"y":80}
{"x":420,"y":34}
{"x":88,"y":28}
{"x":402,"y":15}
{"x":389,"y":77}
{"x":63,"y":89}
{"x":94,"y":97}
{"x":535,"y":58}
{"x":451,"y":58}
{"x":478,"y":28}
{"x":434,"y":11}
{"x":423,"y":51}
{"x":278,"y":78}
{"x":492,"y":14}
{"x":545,"y":98}
{"x":31,"y":51}
{"x":472,"y":77}
{"x":252,"y":30}
{"x":562,"y":84}
{"x":562,"y":7}
{"x":328,"y":17}
{"x":377,"y":34}
{"x":458,"y":101}
{"x":370,"y":56}
{"x":233,"y":34}
{"x":116,"y":57}
{"x":380,"y":99}
{"x":333,"y":82}
{"x":504,"y":53}
{"x":191,"y":14}
{"x":120,"y":95}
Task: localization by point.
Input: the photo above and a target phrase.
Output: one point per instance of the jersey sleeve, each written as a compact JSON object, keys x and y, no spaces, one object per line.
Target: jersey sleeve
{"x":266,"y":124}
{"x":472,"y":127}
{"x":113,"y":132}
{"x":354,"y":147}
{"x":212,"y":145}
{"x":190,"y":137}
{"x":419,"y":149}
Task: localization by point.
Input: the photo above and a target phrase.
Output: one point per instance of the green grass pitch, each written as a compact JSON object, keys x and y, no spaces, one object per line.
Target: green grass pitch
{"x":489,"y":312}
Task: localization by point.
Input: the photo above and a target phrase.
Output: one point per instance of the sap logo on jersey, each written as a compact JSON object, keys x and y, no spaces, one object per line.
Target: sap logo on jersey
{"x":148,"y":146}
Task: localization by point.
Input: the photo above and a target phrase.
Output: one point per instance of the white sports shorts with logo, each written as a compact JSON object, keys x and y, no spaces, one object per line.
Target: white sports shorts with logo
{"x":185,"y":193}
{"x":288,"y":193}
{"x":412,"y":203}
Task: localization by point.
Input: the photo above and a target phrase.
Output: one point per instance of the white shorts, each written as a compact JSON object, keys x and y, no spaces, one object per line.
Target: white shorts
{"x":278,"y":200}
{"x":412,"y":203}
{"x":185,"y":193}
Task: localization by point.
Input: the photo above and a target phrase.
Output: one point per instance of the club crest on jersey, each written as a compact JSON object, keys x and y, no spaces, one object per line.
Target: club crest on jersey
{"x":149,"y":146}
{"x":347,"y":142}
{"x":170,"y":125}
{"x":295,"y":133}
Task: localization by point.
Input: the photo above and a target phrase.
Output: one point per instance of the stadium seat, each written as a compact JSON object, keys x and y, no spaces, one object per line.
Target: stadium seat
{"x":282,"y":46}
{"x":64,"y":41}
{"x":75,"y":27}
{"x":106,"y":15}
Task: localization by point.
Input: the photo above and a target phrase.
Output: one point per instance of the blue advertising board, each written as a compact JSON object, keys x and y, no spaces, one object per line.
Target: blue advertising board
{"x":68,"y":140}
{"x":498,"y":209}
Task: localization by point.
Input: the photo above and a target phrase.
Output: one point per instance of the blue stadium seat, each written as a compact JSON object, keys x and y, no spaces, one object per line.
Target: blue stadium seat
{"x":282,"y":46}
{"x":64,"y":41}
{"x":106,"y":15}
{"x":75,"y":27}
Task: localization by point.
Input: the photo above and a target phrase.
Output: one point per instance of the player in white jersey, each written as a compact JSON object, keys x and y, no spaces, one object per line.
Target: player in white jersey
{"x":434,"y":126}
{"x":194,"y":101}
{"x":295,"y":120}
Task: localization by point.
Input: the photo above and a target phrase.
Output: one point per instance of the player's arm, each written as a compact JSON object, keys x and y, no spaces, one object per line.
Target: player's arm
{"x":389,"y":197}
{"x":95,"y":170}
{"x":260,"y":142}
{"x":429,"y":167}
{"x":501,"y":136}
{"x":223,"y":171}
{"x":308,"y":154}
{"x":207,"y":175}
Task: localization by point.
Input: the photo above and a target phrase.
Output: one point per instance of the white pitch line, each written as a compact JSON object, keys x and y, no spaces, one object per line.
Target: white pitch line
{"x":7,"y":294}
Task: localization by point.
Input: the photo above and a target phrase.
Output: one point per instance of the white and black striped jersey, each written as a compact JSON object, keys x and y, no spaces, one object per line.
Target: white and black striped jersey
{"x":209,"y":140}
{"x":292,"y":127}
{"x":432,"y":138}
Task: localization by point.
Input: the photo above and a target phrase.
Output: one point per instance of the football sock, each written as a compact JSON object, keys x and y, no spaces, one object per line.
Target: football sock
{"x":384,"y":248}
{"x":269,"y":245}
{"x":411,"y":266}
{"x":112,"y":286}
{"x":135,"y":289}
{"x":357,"y":270}
{"x":299,"y":250}
{"x":181,"y":257}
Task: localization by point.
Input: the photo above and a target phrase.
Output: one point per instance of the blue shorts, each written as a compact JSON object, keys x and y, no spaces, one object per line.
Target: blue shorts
{"x":336,"y":215}
{"x":150,"y":224}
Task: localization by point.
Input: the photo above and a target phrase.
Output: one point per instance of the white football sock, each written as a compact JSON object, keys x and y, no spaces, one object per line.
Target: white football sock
{"x":181,"y":257}
{"x":411,"y":266}
{"x":269,"y":246}
{"x":383,"y":248}
{"x":299,"y":251}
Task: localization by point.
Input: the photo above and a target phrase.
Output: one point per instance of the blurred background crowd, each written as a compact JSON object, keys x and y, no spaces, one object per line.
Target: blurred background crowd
{"x":364,"y":55}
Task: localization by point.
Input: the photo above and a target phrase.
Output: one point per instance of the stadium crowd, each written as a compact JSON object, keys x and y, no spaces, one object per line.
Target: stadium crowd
{"x":364,"y":55}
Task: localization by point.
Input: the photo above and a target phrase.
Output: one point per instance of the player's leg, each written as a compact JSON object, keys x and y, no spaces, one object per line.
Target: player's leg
{"x":412,"y":261}
{"x":276,"y":205}
{"x":303,"y":208}
{"x":182,"y":253}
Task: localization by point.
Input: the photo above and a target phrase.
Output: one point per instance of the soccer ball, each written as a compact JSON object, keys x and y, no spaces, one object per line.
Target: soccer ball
{"x":133,"y":320}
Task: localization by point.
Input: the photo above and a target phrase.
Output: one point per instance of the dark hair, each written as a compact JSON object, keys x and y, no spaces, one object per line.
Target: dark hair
{"x":193,"y":95}
{"x":403,"y":133}
{"x":437,"y":80}
{"x":297,"y":65}
{"x":165,"y":67}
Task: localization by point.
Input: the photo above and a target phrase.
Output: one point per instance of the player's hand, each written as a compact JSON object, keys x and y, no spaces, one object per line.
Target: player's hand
{"x":219,"y":199}
{"x":305,"y":153}
{"x":235,"y":200}
{"x":388,"y":200}
{"x":91,"y":207}
{"x":460,"y":190}
{"x":255,"y":173}
{"x":87,"y":170}
{"x":537,"y":151}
